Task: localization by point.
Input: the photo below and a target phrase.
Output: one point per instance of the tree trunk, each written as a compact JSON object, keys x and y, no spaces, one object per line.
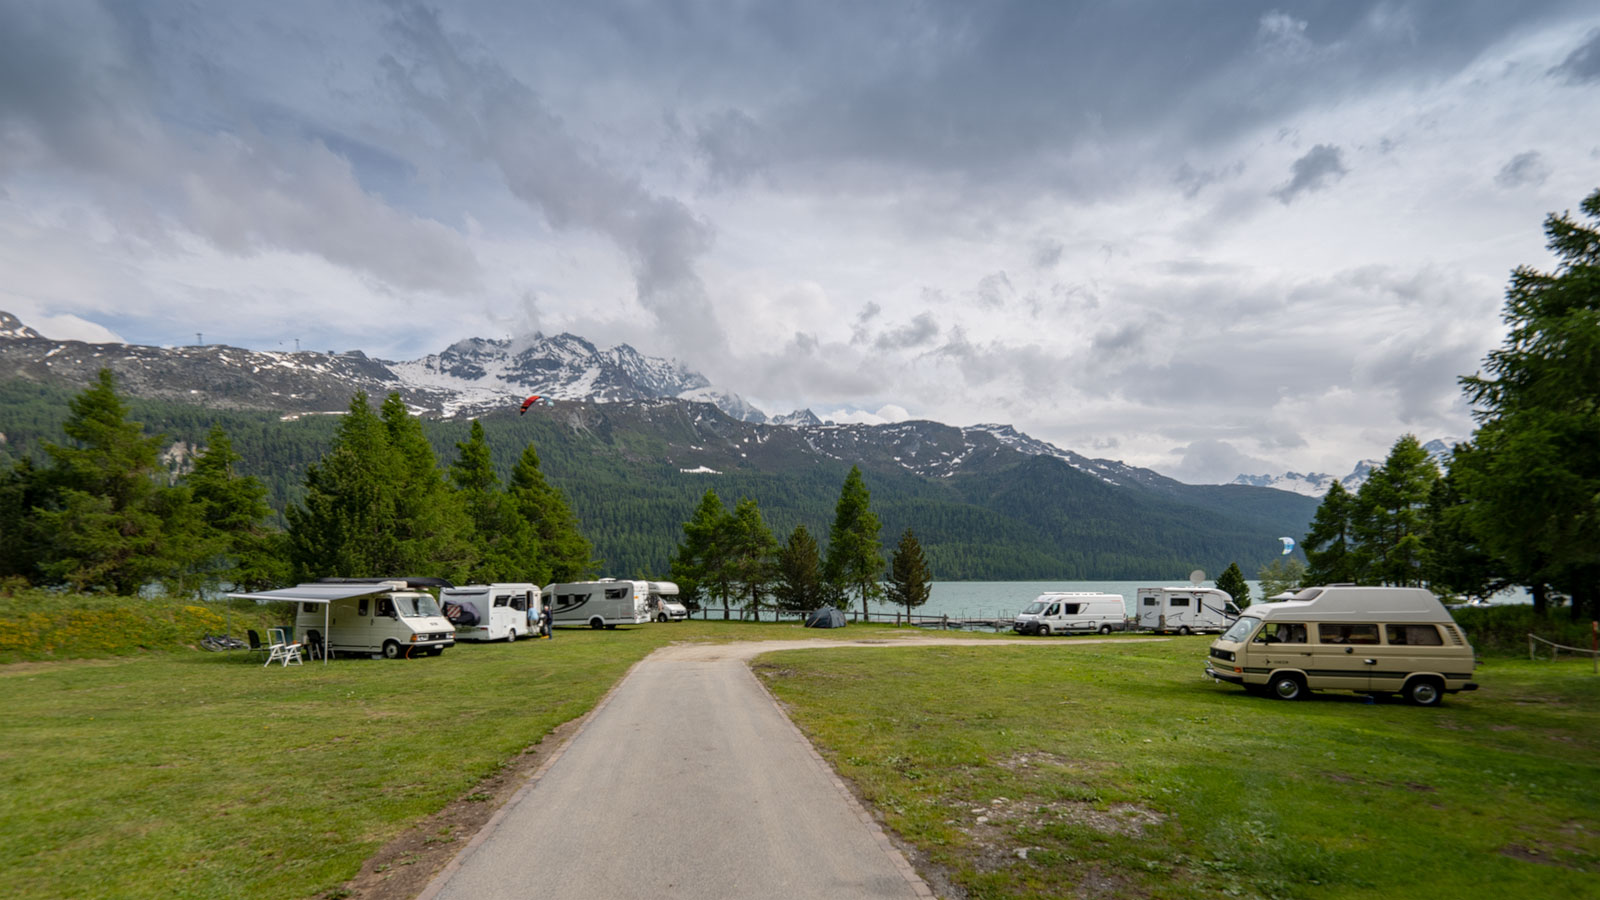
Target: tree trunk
{"x":1541,"y":600}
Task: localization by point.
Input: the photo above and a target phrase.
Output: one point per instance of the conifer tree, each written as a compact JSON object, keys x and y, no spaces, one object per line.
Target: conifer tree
{"x":431,"y":525}
{"x":345,"y":526}
{"x":1330,"y":544}
{"x":854,"y":558}
{"x":700,"y":565}
{"x":1389,"y":519}
{"x":1232,"y":581}
{"x":106,"y":522}
{"x":910,"y":582}
{"x":505,"y":547}
{"x":242,"y":552}
{"x":798,"y":587}
{"x":560,"y":538}
{"x":751,"y":553}
{"x":1283,"y":574}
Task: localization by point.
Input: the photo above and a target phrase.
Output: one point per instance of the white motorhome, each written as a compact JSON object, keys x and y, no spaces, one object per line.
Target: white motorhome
{"x":1371,"y":640}
{"x":606,"y":603}
{"x":1066,"y":612}
{"x":491,"y":612}
{"x":1186,"y":610}
{"x":663,"y":602}
{"x":394,"y":617}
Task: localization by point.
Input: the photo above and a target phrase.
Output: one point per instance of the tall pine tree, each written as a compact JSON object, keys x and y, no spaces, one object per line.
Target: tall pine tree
{"x":243,"y":553}
{"x":700,"y":565}
{"x":910,"y":582}
{"x":1330,"y":544}
{"x":798,"y":587}
{"x":1390,"y":518}
{"x":555,"y":526}
{"x":504,"y":545}
{"x":854,"y":558}
{"x":751,"y":551}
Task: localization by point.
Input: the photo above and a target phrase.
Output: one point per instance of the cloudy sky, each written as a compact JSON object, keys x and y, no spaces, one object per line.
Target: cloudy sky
{"x":1208,"y":238}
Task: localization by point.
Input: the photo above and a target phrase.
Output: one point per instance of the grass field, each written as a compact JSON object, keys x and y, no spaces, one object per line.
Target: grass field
{"x":204,"y":775}
{"x":1117,"y":771}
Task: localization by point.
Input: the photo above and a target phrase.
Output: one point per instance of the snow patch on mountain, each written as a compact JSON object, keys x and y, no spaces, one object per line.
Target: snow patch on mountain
{"x":1315,"y":484}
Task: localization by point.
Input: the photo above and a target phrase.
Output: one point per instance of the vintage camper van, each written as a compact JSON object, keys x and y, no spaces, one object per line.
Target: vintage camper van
{"x":491,"y":612}
{"x":1068,"y":612}
{"x":393,"y":617}
{"x":606,"y":603}
{"x":1186,"y":610}
{"x":1372,"y":640}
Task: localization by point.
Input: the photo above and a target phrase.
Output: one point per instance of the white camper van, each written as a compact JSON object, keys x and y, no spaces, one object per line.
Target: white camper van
{"x":1370,"y":640}
{"x":606,"y":603}
{"x":1066,"y":612}
{"x":1185,"y":610}
{"x":392,"y":617}
{"x":490,"y":612}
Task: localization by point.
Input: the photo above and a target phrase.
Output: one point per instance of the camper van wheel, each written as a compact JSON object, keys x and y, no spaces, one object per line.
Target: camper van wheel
{"x":1044,"y":630}
{"x":661,"y":617}
{"x":1184,"y":630}
{"x":597,"y":624}
{"x":511,"y":636}
{"x":1105,"y":629}
{"x":1423,"y":692}
{"x":391,"y":649}
{"x":1288,"y":687}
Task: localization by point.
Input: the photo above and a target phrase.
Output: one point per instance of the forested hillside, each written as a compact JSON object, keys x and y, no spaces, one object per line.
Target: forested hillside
{"x":1005,"y":516}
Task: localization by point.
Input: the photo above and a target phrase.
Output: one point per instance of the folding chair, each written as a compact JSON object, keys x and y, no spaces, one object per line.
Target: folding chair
{"x":282,"y":650}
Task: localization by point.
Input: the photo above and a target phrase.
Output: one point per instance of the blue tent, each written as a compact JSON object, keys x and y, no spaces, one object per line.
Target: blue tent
{"x":826,"y":617}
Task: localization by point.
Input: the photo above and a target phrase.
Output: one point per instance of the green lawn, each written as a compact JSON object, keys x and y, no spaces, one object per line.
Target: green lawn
{"x":1122,"y":773}
{"x":194,"y":774}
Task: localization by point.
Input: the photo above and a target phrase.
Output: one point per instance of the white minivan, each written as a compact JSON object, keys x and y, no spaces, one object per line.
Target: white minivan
{"x":1069,"y":612}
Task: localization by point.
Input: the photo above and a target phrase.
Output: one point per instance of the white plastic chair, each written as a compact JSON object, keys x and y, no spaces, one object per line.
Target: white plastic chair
{"x":282,"y":650}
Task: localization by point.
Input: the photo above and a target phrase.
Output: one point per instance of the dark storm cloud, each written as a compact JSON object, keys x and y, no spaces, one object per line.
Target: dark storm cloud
{"x":919,"y":332}
{"x":1523,"y":169}
{"x":1313,"y":172}
{"x":1582,"y":66}
{"x":476,"y":101}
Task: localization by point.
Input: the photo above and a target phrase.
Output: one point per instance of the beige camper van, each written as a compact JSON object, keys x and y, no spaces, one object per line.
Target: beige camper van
{"x":1371,"y":640}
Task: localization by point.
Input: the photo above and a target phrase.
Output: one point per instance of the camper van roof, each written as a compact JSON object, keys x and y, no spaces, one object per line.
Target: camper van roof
{"x":411,"y":581}
{"x":319,"y":592}
{"x":1349,"y":601}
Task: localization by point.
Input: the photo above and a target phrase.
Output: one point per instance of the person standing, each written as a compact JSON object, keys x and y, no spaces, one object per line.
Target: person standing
{"x":545,"y":621}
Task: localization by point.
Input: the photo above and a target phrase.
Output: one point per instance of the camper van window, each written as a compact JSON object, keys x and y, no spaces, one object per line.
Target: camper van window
{"x":520,"y":603}
{"x":502,"y":600}
{"x":1282,"y":633}
{"x":417,"y":605}
{"x":1070,"y":609}
{"x":1415,"y":635}
{"x":1054,"y":610}
{"x":385,"y":606}
{"x":1151,"y":601}
{"x":361,"y":607}
{"x":1178,"y":601}
{"x":308,"y":607}
{"x":1035,"y":608}
{"x":1347,"y":634}
{"x":1241,"y":629}
{"x":616,"y":593}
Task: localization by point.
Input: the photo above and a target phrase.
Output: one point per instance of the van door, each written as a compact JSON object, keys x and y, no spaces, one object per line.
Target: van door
{"x":1409,"y":648}
{"x":1344,"y":656}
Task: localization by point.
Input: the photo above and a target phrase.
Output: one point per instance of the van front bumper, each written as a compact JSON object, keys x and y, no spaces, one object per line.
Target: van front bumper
{"x":1223,"y":675}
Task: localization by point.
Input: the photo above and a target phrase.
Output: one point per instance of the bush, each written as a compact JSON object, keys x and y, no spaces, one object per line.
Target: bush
{"x":1504,"y":630}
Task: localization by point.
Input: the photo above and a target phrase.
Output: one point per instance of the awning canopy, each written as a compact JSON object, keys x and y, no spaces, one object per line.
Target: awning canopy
{"x":318,"y":593}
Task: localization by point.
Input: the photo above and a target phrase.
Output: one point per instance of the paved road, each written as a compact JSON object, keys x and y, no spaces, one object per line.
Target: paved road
{"x":688,"y":752}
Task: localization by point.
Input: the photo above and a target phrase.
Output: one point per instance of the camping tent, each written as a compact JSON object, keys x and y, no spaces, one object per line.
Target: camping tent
{"x":826,"y":617}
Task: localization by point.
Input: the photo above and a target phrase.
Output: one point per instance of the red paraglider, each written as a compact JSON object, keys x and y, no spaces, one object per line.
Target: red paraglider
{"x":531,"y":401}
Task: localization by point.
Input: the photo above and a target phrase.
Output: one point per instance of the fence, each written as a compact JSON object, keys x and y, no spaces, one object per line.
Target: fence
{"x":999,"y":620}
{"x":1535,"y":643}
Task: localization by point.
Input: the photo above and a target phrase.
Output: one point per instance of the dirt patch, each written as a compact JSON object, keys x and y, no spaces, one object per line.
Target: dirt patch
{"x":408,"y":863}
{"x":989,"y":825}
{"x":1531,"y":855}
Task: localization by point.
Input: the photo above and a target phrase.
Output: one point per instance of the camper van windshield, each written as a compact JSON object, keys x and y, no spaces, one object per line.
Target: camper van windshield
{"x":1241,"y":629}
{"x":1034,"y":608}
{"x":416,"y":605}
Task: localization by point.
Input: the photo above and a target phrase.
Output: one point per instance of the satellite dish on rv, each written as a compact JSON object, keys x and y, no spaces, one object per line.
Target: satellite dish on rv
{"x":1197,"y":576}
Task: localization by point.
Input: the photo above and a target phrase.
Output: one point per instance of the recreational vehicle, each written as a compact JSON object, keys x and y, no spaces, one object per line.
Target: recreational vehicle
{"x":1371,"y":640}
{"x":1185,"y":610}
{"x":606,"y":603}
{"x":664,"y":603}
{"x":491,"y":612}
{"x":394,"y":617}
{"x":1066,"y":612}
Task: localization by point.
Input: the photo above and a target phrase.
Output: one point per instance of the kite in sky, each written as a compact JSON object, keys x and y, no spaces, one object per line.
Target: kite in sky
{"x":531,"y":401}
{"x":1288,"y":545}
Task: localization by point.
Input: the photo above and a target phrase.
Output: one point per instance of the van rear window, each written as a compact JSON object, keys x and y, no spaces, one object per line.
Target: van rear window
{"x":1151,"y":601}
{"x":1415,"y":635}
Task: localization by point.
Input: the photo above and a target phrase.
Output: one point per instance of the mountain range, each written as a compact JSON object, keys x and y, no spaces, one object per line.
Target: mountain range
{"x":1315,"y":484}
{"x":635,"y":441}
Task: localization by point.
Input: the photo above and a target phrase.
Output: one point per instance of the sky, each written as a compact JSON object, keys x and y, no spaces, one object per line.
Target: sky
{"x":1205,"y":238}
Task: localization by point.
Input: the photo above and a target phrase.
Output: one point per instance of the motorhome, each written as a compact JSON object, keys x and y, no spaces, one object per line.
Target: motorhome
{"x":1186,"y":610}
{"x":1067,"y":612}
{"x":392,"y":617}
{"x":606,"y":603}
{"x":663,"y":602}
{"x":491,"y":612}
{"x":1371,"y":640}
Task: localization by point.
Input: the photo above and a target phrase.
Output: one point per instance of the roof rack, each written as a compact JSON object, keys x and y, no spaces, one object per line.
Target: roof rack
{"x":411,"y":581}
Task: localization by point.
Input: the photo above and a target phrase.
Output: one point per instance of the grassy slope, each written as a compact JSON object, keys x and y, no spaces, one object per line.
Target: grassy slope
{"x":1125,"y":774}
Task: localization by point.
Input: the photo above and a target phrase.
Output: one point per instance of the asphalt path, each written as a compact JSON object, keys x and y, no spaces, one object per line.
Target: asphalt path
{"x":687,"y":781}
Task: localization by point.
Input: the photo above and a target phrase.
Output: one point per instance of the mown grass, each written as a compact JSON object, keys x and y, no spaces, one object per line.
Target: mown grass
{"x":51,"y":625}
{"x":1122,"y":773}
{"x":194,"y":774}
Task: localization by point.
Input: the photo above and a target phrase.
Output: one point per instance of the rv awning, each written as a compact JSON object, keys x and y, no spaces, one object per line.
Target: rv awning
{"x":318,"y":593}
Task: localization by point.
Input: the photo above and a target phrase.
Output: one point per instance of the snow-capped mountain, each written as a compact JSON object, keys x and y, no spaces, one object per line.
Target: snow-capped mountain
{"x":1315,"y":484}
{"x":800,"y":418}
{"x":468,"y":377}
